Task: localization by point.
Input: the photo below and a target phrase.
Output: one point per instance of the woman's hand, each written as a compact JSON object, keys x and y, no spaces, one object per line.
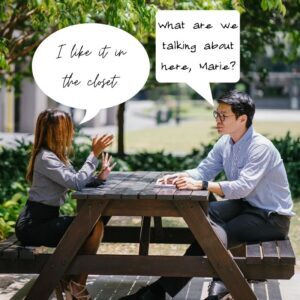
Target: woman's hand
{"x":171,"y":178}
{"x":100,"y":143}
{"x":106,"y":167}
{"x":188,"y":183}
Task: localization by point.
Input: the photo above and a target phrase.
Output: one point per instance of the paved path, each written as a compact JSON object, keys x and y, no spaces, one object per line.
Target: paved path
{"x":113,"y":287}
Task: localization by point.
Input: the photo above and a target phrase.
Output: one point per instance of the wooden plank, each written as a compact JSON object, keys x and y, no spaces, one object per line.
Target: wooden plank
{"x":131,"y":180}
{"x":182,"y":195}
{"x":239,"y":251}
{"x":199,"y":196}
{"x":166,"y":193}
{"x":131,"y":234}
{"x":145,"y":236}
{"x":286,"y":252}
{"x":8,"y":242}
{"x":150,"y":191}
{"x":218,"y":256}
{"x":138,"y":207}
{"x":113,"y":182}
{"x":269,"y":251}
{"x":192,"y":266}
{"x":66,"y":250}
{"x":136,"y":188}
{"x":253,"y":254}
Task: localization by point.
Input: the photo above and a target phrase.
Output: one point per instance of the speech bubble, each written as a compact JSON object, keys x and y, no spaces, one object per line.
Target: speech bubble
{"x":90,"y":66}
{"x":198,"y":47}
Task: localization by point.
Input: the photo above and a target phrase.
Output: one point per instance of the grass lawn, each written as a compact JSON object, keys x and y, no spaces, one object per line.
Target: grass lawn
{"x":191,"y":134}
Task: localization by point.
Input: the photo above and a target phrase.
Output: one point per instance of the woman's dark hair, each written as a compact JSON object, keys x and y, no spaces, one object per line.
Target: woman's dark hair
{"x":241,"y":104}
{"x":53,"y":131}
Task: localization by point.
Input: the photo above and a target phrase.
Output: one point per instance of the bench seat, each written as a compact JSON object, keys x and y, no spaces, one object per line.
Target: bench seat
{"x":266,"y":260}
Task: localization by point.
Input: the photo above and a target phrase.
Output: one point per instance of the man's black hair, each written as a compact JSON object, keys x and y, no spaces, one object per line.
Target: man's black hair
{"x":241,"y":104}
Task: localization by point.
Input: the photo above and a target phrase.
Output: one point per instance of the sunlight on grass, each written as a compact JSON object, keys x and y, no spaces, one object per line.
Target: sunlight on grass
{"x":188,"y":135}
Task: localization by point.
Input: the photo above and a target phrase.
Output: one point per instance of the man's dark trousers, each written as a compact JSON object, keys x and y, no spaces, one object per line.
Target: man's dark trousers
{"x":235,"y":222}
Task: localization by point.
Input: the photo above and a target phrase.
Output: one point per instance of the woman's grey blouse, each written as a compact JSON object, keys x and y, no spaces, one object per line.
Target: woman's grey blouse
{"x":52,"y":178}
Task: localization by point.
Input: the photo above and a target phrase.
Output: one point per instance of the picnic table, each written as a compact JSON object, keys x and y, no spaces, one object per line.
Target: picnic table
{"x":135,"y":194}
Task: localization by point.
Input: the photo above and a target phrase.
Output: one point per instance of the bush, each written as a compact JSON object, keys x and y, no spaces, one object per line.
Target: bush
{"x":13,"y":163}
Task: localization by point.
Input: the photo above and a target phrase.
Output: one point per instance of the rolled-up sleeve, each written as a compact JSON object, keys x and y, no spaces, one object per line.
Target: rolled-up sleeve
{"x":65,"y":175}
{"x":253,"y":171}
{"x":211,"y":166}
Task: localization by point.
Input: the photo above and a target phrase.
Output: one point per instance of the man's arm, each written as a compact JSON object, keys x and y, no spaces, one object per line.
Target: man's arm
{"x":187,"y":183}
{"x":251,"y":174}
{"x":212,"y":165}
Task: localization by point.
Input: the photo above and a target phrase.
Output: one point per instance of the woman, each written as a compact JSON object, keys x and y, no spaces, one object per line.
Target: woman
{"x":51,"y":175}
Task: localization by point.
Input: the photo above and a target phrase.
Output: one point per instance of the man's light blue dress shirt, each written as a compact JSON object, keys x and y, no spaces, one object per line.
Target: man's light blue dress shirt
{"x":254,"y":171}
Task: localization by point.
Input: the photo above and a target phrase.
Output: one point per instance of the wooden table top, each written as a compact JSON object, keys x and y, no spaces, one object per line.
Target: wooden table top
{"x":138,"y":185}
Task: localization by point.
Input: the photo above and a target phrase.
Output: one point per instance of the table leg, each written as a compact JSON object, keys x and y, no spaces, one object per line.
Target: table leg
{"x":145,"y":236}
{"x":217,"y":254}
{"x":66,"y":250}
{"x":158,"y":229}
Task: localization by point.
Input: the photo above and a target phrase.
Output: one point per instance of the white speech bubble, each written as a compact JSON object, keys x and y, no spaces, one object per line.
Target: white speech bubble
{"x":90,"y":66}
{"x":198,"y":47}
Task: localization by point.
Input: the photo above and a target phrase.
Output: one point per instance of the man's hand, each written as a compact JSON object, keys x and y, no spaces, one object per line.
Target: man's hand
{"x":188,"y":183}
{"x":170,"y":178}
{"x":106,"y":167}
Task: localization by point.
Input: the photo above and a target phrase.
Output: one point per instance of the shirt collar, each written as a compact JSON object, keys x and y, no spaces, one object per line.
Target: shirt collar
{"x":243,"y":140}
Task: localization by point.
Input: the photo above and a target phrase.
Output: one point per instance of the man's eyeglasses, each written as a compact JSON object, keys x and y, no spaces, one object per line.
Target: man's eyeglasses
{"x":221,"y":116}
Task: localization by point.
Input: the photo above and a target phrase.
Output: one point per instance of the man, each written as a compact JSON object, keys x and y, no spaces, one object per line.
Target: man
{"x":260,"y":204}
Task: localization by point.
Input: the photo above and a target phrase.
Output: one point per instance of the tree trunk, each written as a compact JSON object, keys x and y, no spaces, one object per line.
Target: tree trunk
{"x":121,"y":111}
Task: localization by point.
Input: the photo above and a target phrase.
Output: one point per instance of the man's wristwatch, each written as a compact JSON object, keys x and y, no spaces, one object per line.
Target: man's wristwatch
{"x":204,"y":185}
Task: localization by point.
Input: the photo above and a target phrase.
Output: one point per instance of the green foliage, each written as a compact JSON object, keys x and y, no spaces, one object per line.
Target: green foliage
{"x":13,"y":163}
{"x":9,"y":212}
{"x":36,"y":19}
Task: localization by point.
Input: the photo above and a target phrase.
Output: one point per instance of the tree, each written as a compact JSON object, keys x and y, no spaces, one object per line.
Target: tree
{"x":24,"y":24}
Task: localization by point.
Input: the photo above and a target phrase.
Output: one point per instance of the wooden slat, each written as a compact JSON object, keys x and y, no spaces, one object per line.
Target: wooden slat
{"x":137,"y":187}
{"x":112,"y":183}
{"x":166,"y":193}
{"x":150,"y":191}
{"x":8,"y":242}
{"x":193,"y":266}
{"x":253,"y":254}
{"x":131,"y":234}
{"x":286,"y":252}
{"x":182,"y":195}
{"x":128,"y":183}
{"x":239,"y":251}
{"x":199,"y":196}
{"x":269,"y":251}
{"x":122,"y":207}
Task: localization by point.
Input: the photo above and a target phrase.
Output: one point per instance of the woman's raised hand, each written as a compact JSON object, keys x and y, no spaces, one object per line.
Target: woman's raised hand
{"x":106,"y":167}
{"x":100,"y":143}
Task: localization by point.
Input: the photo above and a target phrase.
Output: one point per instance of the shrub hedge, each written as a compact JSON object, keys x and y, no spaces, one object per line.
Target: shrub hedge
{"x":13,"y":163}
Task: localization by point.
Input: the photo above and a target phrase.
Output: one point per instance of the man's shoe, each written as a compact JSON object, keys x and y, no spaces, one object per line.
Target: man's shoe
{"x":145,"y":293}
{"x":216,"y":290}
